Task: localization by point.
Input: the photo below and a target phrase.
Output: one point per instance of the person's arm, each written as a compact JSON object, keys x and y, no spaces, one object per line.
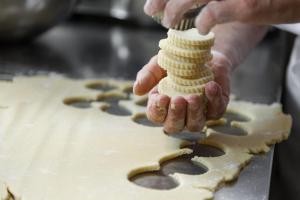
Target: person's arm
{"x":233,"y":43}
{"x":260,"y":12}
{"x":235,"y":40}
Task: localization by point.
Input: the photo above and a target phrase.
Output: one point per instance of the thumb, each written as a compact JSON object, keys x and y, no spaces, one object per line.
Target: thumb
{"x":148,"y":77}
{"x":216,"y":12}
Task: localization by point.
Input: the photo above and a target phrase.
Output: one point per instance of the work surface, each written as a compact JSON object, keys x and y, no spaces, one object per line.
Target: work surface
{"x":96,"y":50}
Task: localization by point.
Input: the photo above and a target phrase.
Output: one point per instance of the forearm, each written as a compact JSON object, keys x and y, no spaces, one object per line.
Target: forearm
{"x":236,"y":40}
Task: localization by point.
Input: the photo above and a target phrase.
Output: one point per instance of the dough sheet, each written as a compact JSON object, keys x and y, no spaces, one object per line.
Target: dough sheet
{"x":50,"y":150}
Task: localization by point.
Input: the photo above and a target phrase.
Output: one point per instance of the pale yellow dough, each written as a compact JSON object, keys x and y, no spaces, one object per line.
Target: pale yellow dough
{"x":52,"y":151}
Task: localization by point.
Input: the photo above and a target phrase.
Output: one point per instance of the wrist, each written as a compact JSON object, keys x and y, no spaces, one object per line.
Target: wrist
{"x":222,"y":60}
{"x":236,"y":40}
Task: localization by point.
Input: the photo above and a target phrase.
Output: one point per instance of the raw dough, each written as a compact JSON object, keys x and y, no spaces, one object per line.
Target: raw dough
{"x":52,"y":151}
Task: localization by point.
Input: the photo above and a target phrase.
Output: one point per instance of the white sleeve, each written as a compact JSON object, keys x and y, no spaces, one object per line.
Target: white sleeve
{"x":293,"y":28}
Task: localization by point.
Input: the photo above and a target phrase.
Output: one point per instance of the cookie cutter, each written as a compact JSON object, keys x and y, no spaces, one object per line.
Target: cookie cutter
{"x":187,"y":21}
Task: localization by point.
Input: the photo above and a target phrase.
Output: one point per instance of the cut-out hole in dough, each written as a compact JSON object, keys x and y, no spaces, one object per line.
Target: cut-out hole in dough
{"x":154,"y":180}
{"x":101,"y":86}
{"x":114,"y":108}
{"x":142,"y":103}
{"x":182,"y":164}
{"x":227,"y":128}
{"x":230,"y":116}
{"x":187,"y":135}
{"x":78,"y":102}
{"x":114,"y":99}
{"x":202,"y":150}
{"x":142,"y":119}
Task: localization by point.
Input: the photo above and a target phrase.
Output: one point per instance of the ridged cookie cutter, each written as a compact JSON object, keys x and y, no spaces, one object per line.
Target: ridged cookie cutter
{"x":187,"y":21}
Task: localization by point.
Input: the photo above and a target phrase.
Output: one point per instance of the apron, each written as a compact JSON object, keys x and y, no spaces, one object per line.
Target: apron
{"x":285,"y":182}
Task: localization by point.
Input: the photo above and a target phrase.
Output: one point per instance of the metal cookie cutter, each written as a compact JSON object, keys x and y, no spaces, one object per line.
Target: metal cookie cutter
{"x":187,"y":21}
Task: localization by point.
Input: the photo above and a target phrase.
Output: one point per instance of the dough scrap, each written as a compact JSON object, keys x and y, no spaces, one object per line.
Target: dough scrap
{"x":53,"y":151}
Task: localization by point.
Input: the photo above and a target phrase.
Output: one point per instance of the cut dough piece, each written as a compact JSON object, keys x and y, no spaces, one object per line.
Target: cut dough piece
{"x":166,"y":88}
{"x":187,"y":74}
{"x":165,"y":61}
{"x":53,"y":151}
{"x":190,"y":82}
{"x":185,"y":60}
{"x":191,"y":37}
{"x":188,"y":53}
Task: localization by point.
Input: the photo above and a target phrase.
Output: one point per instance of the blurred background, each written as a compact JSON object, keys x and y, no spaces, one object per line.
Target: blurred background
{"x":87,"y":38}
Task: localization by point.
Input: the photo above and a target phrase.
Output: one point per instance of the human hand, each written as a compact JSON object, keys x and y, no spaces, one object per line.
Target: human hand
{"x":189,"y":111}
{"x":260,"y":12}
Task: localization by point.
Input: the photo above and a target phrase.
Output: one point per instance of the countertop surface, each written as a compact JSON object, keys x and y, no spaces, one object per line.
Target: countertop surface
{"x":101,"y":49}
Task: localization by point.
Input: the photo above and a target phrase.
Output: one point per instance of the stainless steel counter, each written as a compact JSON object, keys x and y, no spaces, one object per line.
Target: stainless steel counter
{"x":98,"y":49}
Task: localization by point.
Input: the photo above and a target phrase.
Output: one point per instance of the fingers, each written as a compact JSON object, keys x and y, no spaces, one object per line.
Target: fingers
{"x":217,"y":12}
{"x":175,"y":120}
{"x":175,"y":9}
{"x":217,"y":91}
{"x":157,"y":107}
{"x":216,"y":104}
{"x":179,"y":113}
{"x":148,"y":77}
{"x":153,"y":6}
{"x":195,"y":119}
{"x":221,"y":68}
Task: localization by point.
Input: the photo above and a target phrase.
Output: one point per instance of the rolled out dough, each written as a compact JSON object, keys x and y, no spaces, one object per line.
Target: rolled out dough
{"x":52,"y":151}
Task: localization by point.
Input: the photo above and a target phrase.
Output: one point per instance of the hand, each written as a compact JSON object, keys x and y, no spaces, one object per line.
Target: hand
{"x":260,"y":12}
{"x":180,"y":112}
